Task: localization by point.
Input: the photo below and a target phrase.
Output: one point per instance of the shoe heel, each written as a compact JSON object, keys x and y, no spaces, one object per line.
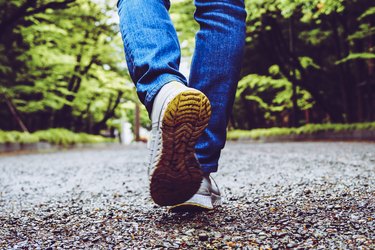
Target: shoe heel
{"x":177,"y":176}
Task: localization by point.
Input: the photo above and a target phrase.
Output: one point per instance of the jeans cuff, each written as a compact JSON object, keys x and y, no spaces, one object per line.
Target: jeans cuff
{"x":209,"y":168}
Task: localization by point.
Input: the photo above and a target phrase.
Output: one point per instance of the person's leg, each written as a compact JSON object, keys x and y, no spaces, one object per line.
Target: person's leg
{"x":215,"y":69}
{"x":179,"y":114}
{"x":151,"y":46}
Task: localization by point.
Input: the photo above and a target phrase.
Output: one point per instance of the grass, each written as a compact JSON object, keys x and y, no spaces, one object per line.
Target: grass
{"x":56,"y":136}
{"x":256,"y":134}
{"x":66,"y":137}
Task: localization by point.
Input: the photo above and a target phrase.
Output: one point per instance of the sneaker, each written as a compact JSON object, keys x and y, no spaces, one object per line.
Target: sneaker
{"x":179,"y":116}
{"x":207,"y":198}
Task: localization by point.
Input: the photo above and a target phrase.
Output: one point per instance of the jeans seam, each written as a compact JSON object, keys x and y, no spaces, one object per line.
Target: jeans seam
{"x":129,"y":55}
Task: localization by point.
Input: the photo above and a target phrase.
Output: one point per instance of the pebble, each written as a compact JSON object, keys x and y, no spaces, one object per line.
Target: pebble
{"x":203,"y":237}
{"x":291,"y":245}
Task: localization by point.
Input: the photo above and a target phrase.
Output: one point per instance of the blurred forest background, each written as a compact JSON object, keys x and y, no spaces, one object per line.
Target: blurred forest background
{"x":62,"y":64}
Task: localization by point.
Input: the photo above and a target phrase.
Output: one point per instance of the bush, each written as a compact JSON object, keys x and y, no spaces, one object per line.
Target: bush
{"x":54,"y":136}
{"x":16,"y":136}
{"x":57,"y":136}
{"x":255,"y":134}
{"x":26,"y":138}
{"x":7,"y":136}
{"x":66,"y":137}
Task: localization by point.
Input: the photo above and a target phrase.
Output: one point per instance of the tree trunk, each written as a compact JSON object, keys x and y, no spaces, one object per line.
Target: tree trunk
{"x":274,"y":48}
{"x":15,"y":115}
{"x":109,"y":114}
{"x":347,"y":91}
{"x":64,"y":116}
{"x":295,"y":116}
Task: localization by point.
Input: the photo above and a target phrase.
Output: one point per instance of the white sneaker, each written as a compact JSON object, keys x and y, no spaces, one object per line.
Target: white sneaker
{"x":179,"y":116}
{"x":207,"y":198}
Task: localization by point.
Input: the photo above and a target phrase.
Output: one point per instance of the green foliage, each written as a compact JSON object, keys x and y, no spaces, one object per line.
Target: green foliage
{"x":365,"y":31}
{"x":26,"y":138}
{"x":65,"y":62}
{"x":57,"y":60}
{"x":54,"y":136}
{"x":354,"y":56}
{"x":368,"y":13}
{"x":257,"y":134}
{"x":15,"y":136}
{"x":309,"y":10}
{"x":8,"y":137}
{"x":256,"y":88}
{"x":321,"y":47}
{"x":66,"y":137}
{"x":315,"y":37}
{"x":307,"y":62}
{"x":128,"y":115}
{"x":144,"y":118}
{"x":62,"y":62}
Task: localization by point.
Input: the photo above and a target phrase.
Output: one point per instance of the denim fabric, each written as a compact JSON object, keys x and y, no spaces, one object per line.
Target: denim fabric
{"x":153,"y":57}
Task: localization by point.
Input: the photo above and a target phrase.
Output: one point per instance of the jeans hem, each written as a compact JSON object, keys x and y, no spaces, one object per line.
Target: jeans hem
{"x":209,"y":168}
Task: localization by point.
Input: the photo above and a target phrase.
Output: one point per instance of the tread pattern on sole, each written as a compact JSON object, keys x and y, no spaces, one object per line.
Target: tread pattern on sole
{"x":177,"y":176}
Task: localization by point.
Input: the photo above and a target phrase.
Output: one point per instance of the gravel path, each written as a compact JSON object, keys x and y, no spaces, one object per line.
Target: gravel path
{"x":277,"y":195}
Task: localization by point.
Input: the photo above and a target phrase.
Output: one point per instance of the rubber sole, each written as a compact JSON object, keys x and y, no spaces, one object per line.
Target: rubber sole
{"x":189,"y":208}
{"x":198,"y":203}
{"x":177,"y":176}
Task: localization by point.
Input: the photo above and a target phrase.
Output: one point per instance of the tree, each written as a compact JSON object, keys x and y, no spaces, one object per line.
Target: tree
{"x":61,"y":63}
{"x":323,"y":51}
{"x":322,"y":42}
{"x":65,"y":67}
{"x":14,"y":14}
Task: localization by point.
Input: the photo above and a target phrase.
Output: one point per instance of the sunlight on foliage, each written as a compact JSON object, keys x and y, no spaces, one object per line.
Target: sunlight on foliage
{"x":258,"y":134}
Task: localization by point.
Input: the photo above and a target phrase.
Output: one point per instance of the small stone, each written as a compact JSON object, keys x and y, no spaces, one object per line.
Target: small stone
{"x":229,"y":219}
{"x":307,"y":191}
{"x":329,"y":207}
{"x":291,"y":245}
{"x":281,"y":234}
{"x":354,"y":217}
{"x":190,"y":232}
{"x":203,"y":237}
{"x":231,"y":244}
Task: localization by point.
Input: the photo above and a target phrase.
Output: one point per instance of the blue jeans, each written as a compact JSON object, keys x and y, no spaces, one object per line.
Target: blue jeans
{"x":153,"y":57}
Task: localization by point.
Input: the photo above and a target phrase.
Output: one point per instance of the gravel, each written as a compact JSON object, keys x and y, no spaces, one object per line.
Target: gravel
{"x":277,"y":195}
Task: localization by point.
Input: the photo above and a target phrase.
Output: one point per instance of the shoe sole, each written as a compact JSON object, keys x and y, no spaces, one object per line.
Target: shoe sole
{"x":189,"y":208}
{"x":177,"y":176}
{"x":199,"y":203}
